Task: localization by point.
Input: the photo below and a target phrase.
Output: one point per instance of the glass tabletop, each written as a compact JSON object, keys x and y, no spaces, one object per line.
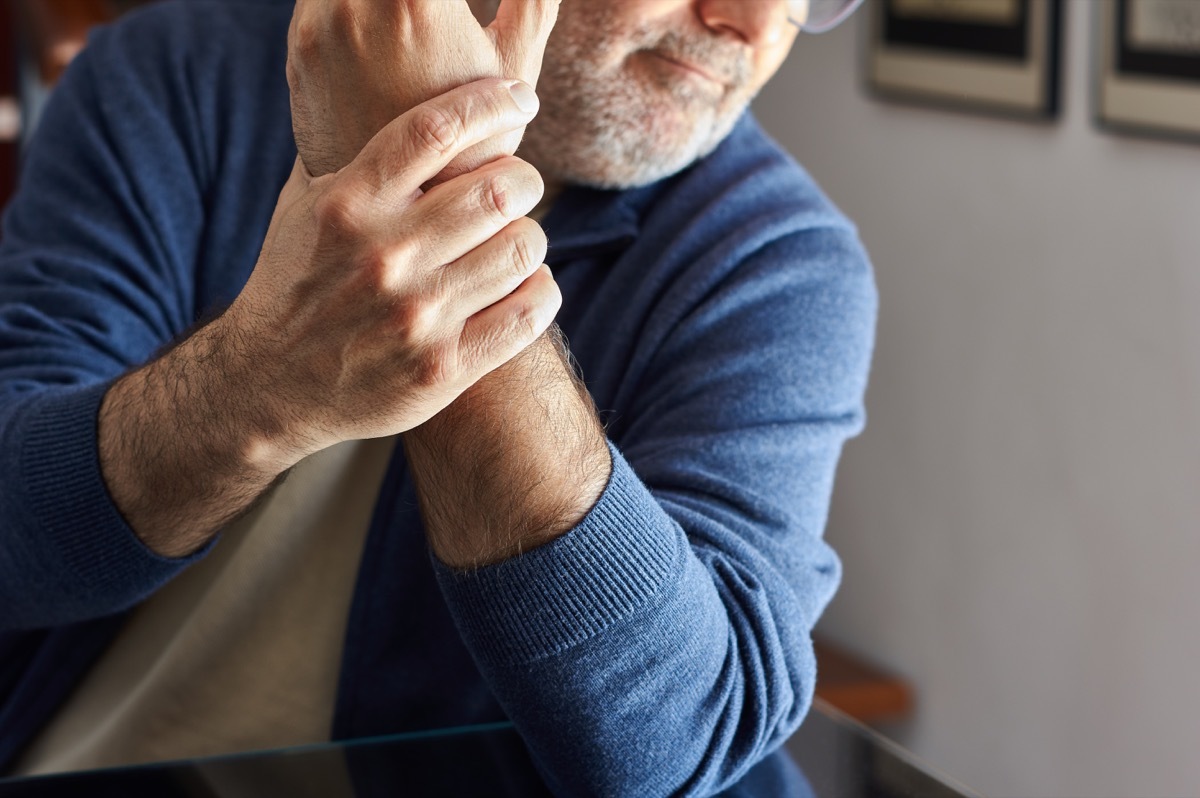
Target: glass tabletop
{"x":841,"y":757}
{"x":834,"y":757}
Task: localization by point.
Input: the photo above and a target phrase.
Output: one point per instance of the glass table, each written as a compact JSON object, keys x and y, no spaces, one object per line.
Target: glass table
{"x":837,"y":758}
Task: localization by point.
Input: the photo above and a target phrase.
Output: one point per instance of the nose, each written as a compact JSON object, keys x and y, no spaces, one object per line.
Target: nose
{"x":758,"y":23}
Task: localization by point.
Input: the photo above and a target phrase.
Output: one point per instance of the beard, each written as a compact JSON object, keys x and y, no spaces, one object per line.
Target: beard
{"x":618,"y":111}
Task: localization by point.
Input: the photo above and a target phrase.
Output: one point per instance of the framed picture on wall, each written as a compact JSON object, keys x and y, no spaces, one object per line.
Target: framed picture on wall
{"x":999,"y":56}
{"x":1149,"y":66}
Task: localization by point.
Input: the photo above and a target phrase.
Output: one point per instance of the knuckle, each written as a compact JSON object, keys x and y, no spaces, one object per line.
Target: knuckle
{"x":307,"y":38}
{"x":404,"y":254}
{"x":344,"y":20}
{"x":341,"y":15}
{"x":494,"y":198}
{"x":496,"y":102}
{"x":528,"y":249}
{"x":530,"y":175}
{"x":442,"y":284}
{"x":522,"y":257}
{"x":375,"y":267}
{"x":434,"y":369}
{"x":437,"y":130}
{"x":414,"y":320}
{"x":341,"y":209}
{"x":509,"y":188}
{"x":527,"y":323}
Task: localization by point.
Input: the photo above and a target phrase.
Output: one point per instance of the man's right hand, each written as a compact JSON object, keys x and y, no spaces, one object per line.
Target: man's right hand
{"x":372,"y":307}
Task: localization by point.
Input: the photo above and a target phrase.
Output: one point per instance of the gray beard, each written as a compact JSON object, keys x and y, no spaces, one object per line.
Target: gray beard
{"x":597,"y":131}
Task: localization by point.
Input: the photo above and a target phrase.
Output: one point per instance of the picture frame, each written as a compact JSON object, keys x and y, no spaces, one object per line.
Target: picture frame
{"x":992,"y":56}
{"x":1148,"y":67}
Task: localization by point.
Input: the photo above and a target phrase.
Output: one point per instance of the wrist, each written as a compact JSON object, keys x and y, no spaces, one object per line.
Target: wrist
{"x":189,"y":441}
{"x":237,"y":391}
{"x":533,"y":466}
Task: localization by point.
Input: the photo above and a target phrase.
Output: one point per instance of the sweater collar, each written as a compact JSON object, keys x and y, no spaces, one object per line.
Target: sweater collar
{"x":587,"y":221}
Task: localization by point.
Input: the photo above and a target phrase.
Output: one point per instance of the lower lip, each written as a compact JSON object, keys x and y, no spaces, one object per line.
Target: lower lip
{"x":690,"y":72}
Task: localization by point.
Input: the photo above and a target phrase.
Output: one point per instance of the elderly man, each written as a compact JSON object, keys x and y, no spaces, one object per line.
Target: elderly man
{"x":282,"y":465}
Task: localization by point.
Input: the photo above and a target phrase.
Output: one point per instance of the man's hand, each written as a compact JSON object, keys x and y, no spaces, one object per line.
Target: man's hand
{"x":520,"y":458}
{"x":355,"y":65}
{"x":372,"y":307}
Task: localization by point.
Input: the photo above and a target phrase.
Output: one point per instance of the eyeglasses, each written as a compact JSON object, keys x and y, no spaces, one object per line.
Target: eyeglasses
{"x":818,"y":16}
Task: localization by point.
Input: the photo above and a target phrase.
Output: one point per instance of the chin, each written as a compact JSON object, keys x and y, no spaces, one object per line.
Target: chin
{"x":623,"y":175}
{"x":622,"y":158}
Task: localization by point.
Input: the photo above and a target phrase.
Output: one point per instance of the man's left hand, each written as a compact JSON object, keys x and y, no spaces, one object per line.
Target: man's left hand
{"x":355,"y":65}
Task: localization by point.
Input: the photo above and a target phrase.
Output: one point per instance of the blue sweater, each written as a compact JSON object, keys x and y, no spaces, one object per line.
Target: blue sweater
{"x":723,"y":319}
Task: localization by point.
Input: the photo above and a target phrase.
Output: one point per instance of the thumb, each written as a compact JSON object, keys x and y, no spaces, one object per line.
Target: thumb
{"x":521,"y":29}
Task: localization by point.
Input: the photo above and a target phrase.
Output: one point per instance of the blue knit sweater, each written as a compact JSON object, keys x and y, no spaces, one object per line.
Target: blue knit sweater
{"x":723,"y":319}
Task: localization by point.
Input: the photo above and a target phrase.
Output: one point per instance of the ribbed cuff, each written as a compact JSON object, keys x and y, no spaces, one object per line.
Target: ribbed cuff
{"x":61,"y":465}
{"x":616,"y":561}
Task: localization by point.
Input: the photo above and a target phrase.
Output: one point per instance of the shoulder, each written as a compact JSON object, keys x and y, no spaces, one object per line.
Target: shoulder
{"x":753,"y":174}
{"x":165,"y":14}
{"x":739,"y":264}
{"x":749,"y":212}
{"x":747,"y":196}
{"x":241,"y":29}
{"x":172,"y":126}
{"x":207,"y":76}
{"x":183,"y":39}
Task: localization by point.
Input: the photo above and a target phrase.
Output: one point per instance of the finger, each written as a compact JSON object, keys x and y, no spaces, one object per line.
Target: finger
{"x":493,"y":270}
{"x":496,"y":334}
{"x":414,"y":147}
{"x":457,"y":216}
{"x":521,"y":30}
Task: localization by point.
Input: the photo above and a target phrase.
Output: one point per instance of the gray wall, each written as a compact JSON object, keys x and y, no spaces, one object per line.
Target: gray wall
{"x":1019,"y":521}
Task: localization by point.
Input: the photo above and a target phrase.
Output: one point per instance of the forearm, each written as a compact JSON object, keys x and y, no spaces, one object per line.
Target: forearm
{"x":518,"y":460}
{"x":624,"y":630}
{"x":184,"y":446}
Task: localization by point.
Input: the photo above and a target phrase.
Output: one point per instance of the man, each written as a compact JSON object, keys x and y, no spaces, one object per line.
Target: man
{"x":635,"y":594}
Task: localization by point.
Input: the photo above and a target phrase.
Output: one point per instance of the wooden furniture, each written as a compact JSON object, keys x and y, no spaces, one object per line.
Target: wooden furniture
{"x":863,"y":691}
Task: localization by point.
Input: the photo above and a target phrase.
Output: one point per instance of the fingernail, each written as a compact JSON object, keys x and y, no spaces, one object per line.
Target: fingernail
{"x":524,"y":96}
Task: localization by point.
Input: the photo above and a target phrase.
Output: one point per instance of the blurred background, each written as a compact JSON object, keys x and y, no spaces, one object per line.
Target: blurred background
{"x":1019,"y":522}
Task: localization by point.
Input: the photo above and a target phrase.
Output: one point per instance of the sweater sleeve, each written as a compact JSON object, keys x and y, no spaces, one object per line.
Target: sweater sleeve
{"x":663,"y":647}
{"x":95,"y":276}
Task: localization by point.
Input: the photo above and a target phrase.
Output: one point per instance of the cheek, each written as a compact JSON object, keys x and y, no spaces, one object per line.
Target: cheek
{"x":588,"y":37}
{"x":636,"y":13}
{"x":768,"y":61}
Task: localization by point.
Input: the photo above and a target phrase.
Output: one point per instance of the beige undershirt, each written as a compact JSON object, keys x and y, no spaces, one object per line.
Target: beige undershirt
{"x":242,"y":651}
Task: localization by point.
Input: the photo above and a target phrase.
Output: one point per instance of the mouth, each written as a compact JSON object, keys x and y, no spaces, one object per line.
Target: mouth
{"x":692,"y":70}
